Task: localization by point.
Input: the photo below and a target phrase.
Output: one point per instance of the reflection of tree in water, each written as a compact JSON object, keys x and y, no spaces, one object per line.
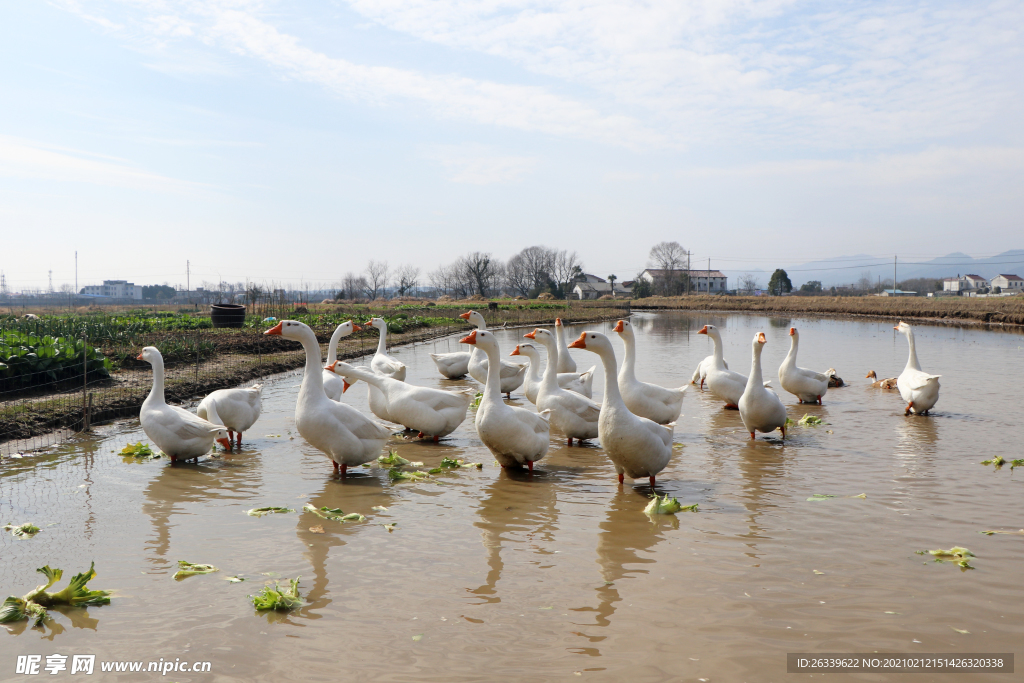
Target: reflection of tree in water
{"x":517,"y":509}
{"x":201,"y":483}
{"x":358,"y":493}
{"x":623,"y":550}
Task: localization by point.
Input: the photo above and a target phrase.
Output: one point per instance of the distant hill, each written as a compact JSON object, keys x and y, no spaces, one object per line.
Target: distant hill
{"x":844,"y":270}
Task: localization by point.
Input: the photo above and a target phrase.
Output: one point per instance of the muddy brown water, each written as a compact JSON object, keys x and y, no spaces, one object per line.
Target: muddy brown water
{"x":492,"y":575}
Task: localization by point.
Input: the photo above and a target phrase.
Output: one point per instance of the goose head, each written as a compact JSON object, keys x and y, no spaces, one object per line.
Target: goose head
{"x":623,"y":328}
{"x":759,"y":342}
{"x":220,"y":435}
{"x":871,"y":375}
{"x":290,"y":329}
{"x":348,"y":327}
{"x":545,"y":337}
{"x":711,"y":331}
{"x":474,"y":319}
{"x":592,"y":341}
{"x":482,"y":339}
{"x":526,"y":349}
{"x":793,"y":333}
{"x":902,"y":327}
{"x":151,"y":355}
{"x":379,"y":323}
{"x":344,"y":370}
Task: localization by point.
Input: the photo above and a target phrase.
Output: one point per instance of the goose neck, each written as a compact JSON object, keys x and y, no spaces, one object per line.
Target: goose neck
{"x":755,"y":379}
{"x":492,"y":387}
{"x":332,"y":347}
{"x":156,"y":394}
{"x":629,"y":357}
{"x":312,"y":376}
{"x":382,"y":347}
{"x":912,"y":361}
{"x":612,"y":397}
{"x":716,"y":340}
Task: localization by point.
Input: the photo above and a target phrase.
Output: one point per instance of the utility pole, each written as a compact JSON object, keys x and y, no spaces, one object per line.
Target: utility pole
{"x":894,"y":275}
{"x":188,"y":279}
{"x":76,"y":272}
{"x":687,"y":272}
{"x":709,"y":275}
{"x":51,"y":282}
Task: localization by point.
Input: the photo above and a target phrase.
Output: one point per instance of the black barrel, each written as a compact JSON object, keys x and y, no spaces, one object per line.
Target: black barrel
{"x":227,"y":315}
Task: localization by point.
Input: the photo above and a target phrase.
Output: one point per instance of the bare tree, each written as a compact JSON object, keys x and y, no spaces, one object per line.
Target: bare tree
{"x":748,"y":283}
{"x":669,"y":258}
{"x":566,"y":267}
{"x":481,"y":269}
{"x":406,"y":279}
{"x":865,"y":283}
{"x":377,"y":279}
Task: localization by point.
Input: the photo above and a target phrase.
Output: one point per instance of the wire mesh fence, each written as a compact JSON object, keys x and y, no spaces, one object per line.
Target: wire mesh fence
{"x":102,"y":380}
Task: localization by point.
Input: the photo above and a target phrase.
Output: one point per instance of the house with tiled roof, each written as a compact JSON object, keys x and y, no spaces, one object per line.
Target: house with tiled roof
{"x":969,"y":284}
{"x":713,"y":281}
{"x":1008,"y":283}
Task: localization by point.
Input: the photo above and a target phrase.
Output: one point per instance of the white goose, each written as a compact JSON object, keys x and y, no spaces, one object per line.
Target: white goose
{"x":646,"y":400}
{"x":431,"y":412}
{"x":236,"y":409}
{"x":760,"y":408}
{"x":581,"y":383}
{"x":565,"y":361}
{"x":341,"y":432}
{"x":383,"y":364}
{"x":807,"y":385}
{"x":515,"y":436}
{"x":175,"y":431}
{"x":638,"y":447}
{"x":574,"y":415}
{"x":333,"y":385}
{"x":919,"y":389}
{"x":722,"y":382}
{"x":512,"y":374}
{"x":452,"y":365}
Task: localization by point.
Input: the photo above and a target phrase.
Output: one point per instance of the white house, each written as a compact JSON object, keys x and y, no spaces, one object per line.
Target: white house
{"x":713,"y":281}
{"x":1008,"y":283}
{"x":115,"y":289}
{"x":594,"y":290}
{"x":968,"y":284}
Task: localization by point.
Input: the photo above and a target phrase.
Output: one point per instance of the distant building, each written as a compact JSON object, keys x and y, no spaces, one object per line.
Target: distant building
{"x":1008,"y":283}
{"x":587,"y":277}
{"x":968,"y":284}
{"x":713,"y":281}
{"x":595,"y":290}
{"x":115,"y":289}
{"x":895,"y":292}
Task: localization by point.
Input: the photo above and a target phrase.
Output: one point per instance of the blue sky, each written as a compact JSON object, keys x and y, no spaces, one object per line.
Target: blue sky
{"x":296,"y":141}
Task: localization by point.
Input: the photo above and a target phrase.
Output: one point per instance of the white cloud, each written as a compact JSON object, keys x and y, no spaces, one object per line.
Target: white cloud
{"x":24,"y":159}
{"x":477,"y":165}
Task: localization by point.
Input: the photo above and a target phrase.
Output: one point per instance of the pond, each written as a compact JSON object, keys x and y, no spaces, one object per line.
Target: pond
{"x":494,"y":575}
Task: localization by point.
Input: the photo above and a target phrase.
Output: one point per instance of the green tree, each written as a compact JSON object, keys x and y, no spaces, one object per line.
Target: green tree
{"x":157,"y":292}
{"x":642,"y":288}
{"x":812,"y":286}
{"x":779,"y":283}
{"x":611,"y":282}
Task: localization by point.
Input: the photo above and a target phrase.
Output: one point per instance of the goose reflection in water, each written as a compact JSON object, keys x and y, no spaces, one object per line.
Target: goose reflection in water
{"x":624,"y":549}
{"x":359,"y":492}
{"x":518,"y":508}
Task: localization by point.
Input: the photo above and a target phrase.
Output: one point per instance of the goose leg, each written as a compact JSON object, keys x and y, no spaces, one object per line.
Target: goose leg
{"x":819,"y":400}
{"x":909,"y":406}
{"x":731,"y":406}
{"x":420,"y":435}
{"x":231,"y":435}
{"x":436,"y":438}
{"x":529,"y":463}
{"x":621,"y":477}
{"x":335,"y":466}
{"x":344,"y":470}
{"x":783,"y":428}
{"x":570,"y":441}
{"x":652,"y":482}
{"x":239,"y":439}
{"x":751,"y":436}
{"x":508,"y":395}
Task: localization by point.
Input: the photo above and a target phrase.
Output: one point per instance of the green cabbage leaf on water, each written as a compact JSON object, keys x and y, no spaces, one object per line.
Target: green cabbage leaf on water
{"x":956,"y":555}
{"x":22,"y":530}
{"x":998,"y":461}
{"x":452,"y":464}
{"x":187,"y":569}
{"x":667,"y":506}
{"x":33,"y":605}
{"x":392,"y":459}
{"x":335,"y":514}
{"x":809,"y":420}
{"x":277,"y":599}
{"x":259,"y":512}
{"x":138,"y":451}
{"x":399,"y":475}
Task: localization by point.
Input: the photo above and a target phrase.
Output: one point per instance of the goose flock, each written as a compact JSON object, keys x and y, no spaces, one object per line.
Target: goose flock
{"x":634,"y":422}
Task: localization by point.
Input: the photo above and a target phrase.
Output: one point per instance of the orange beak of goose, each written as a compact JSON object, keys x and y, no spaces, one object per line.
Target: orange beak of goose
{"x":344,"y":385}
{"x":703,"y":330}
{"x":619,"y":327}
{"x":331,"y":366}
{"x":531,"y":335}
{"x":515,"y":351}
{"x":792,"y":331}
{"x":464,"y":316}
{"x":225,"y":442}
{"x":276,"y":329}
{"x":139,"y":357}
{"x":469,"y":338}
{"x":558,"y":322}
{"x":580,"y":343}
{"x":760,"y":338}
{"x":356,"y":328}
